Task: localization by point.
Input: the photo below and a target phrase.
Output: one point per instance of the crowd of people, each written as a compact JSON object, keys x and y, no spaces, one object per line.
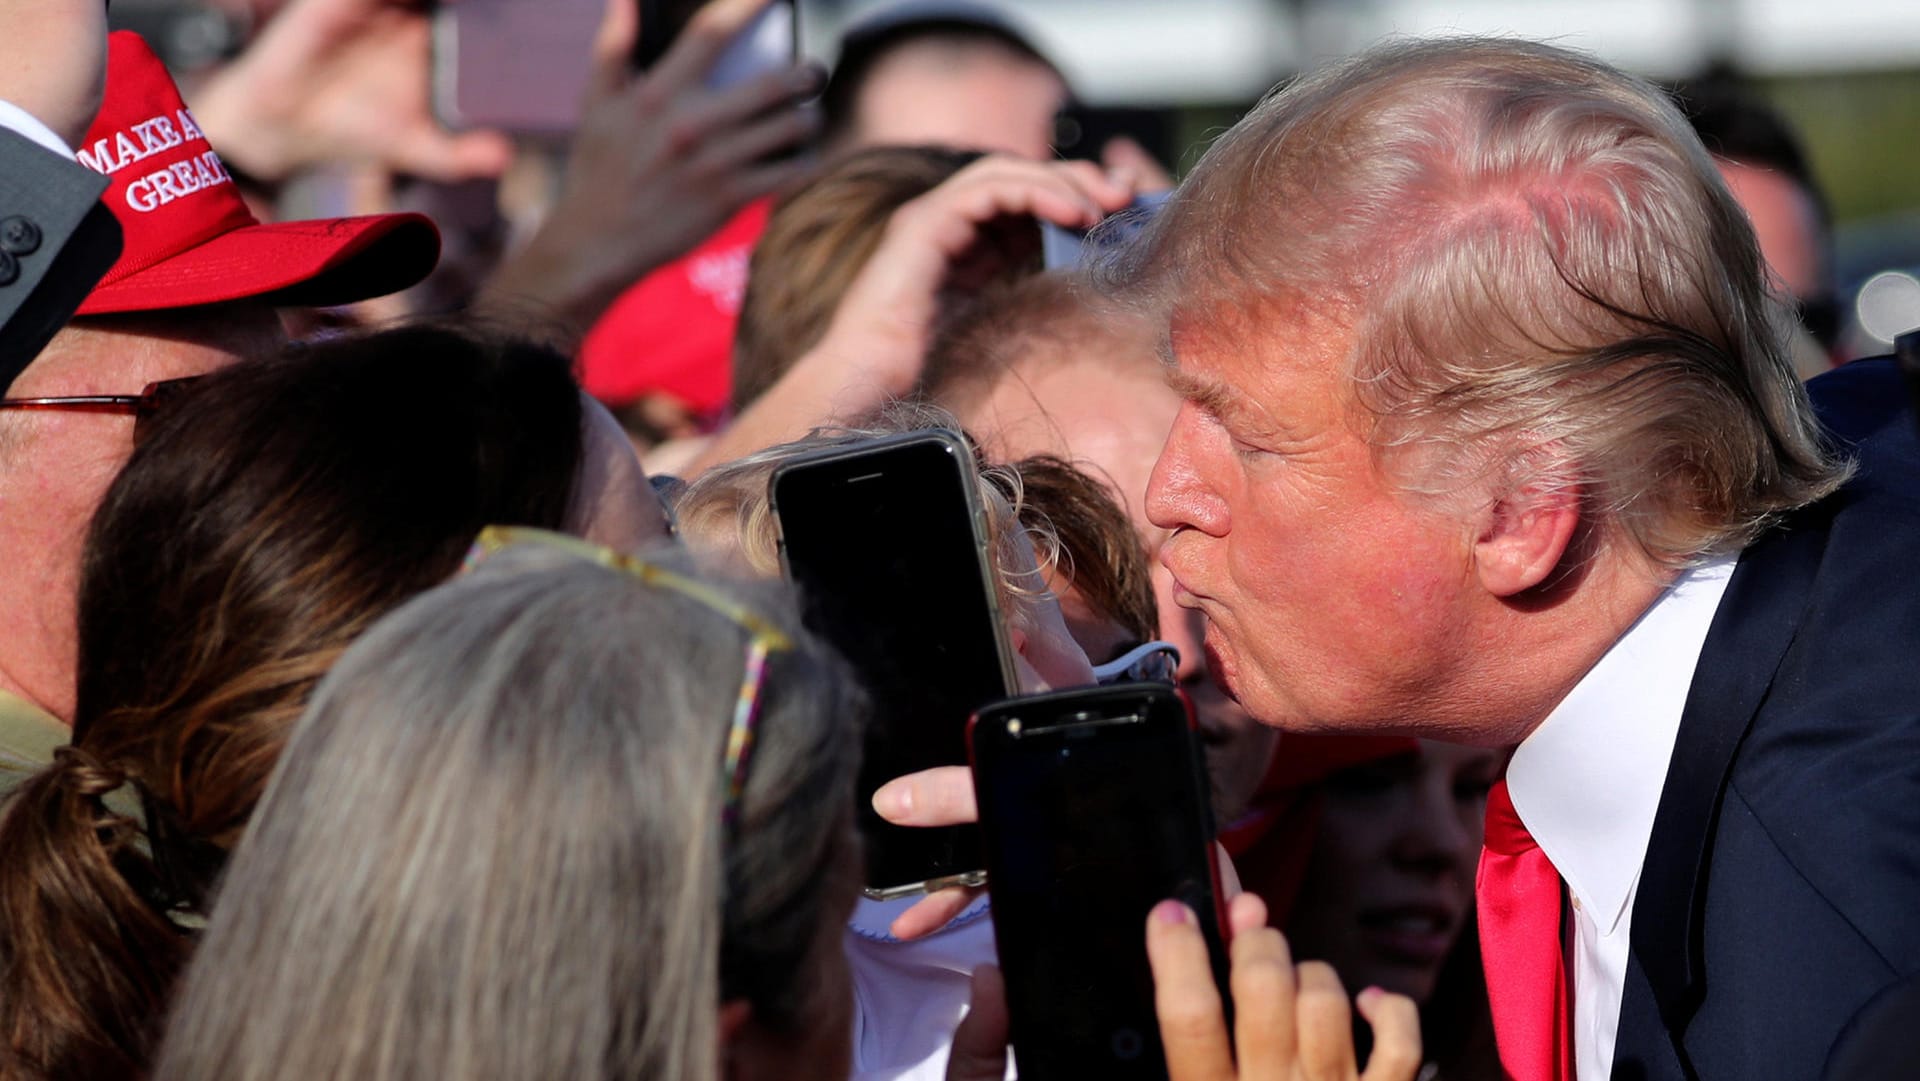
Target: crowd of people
{"x":397,"y":678}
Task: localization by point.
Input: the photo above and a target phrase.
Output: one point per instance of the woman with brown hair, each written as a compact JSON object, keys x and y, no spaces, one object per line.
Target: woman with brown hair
{"x":269,"y":514}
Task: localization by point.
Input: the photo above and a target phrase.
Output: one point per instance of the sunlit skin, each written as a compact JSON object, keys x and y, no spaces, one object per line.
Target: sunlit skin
{"x":1334,"y":599}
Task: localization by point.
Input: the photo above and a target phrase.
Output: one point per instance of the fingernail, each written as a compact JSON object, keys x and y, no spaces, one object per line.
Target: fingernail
{"x":1172,"y":912}
{"x":1366,"y":997}
{"x":811,"y":78}
{"x":893,"y":800}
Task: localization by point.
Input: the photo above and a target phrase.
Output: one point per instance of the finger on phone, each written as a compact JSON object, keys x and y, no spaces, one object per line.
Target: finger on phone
{"x":1263,"y":984}
{"x":1109,"y":191}
{"x":613,"y":48}
{"x":1123,"y":155}
{"x":1325,"y":1023}
{"x":1193,"y":1025}
{"x":1396,"y":1035}
{"x":942,"y":796}
{"x":1246,"y":912}
{"x":931,"y":913}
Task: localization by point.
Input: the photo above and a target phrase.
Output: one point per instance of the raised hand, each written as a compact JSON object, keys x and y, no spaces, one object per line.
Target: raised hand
{"x":659,"y":162}
{"x":1291,"y":1021}
{"x":340,"y":81}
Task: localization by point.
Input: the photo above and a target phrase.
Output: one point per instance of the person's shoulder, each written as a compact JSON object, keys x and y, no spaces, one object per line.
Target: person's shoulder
{"x":1829,"y":771}
{"x":1866,"y":408}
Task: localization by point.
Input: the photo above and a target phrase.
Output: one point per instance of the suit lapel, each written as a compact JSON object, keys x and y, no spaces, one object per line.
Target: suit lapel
{"x":1751,"y":632}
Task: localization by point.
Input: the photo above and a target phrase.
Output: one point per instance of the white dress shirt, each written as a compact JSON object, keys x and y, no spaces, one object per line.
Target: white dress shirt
{"x":1587,"y":784}
{"x":16,"y":119}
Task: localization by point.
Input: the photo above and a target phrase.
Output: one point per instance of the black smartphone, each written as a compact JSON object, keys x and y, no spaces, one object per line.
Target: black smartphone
{"x":1082,"y":131}
{"x":1094,"y":805}
{"x":887,"y":540}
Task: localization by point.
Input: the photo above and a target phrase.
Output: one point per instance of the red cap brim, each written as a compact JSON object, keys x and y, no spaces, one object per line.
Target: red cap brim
{"x":286,"y":264}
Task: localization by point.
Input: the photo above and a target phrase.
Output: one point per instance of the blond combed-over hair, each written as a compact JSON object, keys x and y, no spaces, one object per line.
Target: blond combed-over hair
{"x":1545,"y":278}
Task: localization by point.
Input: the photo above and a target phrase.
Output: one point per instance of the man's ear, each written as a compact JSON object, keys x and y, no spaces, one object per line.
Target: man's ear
{"x":735,"y":1015}
{"x":1525,"y":535}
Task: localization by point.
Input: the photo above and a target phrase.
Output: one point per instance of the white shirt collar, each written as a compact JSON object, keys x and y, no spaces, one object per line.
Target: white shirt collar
{"x":1587,"y":782}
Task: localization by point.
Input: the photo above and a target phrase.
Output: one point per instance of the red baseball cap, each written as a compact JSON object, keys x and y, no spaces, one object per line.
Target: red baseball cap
{"x":189,"y":238}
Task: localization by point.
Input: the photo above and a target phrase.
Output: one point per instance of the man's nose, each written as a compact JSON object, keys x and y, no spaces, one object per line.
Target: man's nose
{"x":1178,"y":496}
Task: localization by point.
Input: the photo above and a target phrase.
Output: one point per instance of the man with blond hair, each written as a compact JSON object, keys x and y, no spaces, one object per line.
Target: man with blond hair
{"x":1489,"y":434}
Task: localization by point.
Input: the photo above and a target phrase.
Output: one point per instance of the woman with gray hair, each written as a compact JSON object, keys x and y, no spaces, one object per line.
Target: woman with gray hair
{"x":573,"y":815}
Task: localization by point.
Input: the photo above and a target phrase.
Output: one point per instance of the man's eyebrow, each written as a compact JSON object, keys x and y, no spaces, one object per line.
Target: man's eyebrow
{"x":1213,"y":397}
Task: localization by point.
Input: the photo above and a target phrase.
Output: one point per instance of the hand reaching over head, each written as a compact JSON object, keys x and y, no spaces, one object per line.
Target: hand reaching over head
{"x":875,"y":346}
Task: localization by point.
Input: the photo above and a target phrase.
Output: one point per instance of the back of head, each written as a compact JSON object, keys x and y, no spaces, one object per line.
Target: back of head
{"x":494,"y":847}
{"x":1018,"y":327}
{"x":268,"y":515}
{"x":1542,"y":274}
{"x":817,"y":240}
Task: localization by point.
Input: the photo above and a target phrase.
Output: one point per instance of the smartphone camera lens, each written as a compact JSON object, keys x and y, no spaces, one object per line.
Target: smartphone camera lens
{"x":1127,"y":1044}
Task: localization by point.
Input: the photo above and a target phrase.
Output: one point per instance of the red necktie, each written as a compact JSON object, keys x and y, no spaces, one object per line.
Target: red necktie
{"x":1518,"y":893}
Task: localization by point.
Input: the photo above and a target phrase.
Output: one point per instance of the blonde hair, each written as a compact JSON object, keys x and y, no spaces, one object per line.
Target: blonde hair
{"x":727,"y":512}
{"x":493,"y":847}
{"x":1546,"y":278}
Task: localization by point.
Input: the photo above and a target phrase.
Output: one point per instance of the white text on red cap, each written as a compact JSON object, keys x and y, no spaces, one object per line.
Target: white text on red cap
{"x":152,"y":136}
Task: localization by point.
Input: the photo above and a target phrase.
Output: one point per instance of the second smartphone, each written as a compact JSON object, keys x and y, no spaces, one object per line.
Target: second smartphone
{"x":887,"y":541}
{"x":1094,"y":804}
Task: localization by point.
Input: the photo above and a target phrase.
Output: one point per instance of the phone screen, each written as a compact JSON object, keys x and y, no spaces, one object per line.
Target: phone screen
{"x":1094,"y":807}
{"x":886,"y":543}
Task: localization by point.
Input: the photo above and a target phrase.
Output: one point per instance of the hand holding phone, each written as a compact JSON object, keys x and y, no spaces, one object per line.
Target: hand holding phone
{"x":1288,"y":1020}
{"x":886,"y":539}
{"x":659,"y":162}
{"x":1094,"y":807}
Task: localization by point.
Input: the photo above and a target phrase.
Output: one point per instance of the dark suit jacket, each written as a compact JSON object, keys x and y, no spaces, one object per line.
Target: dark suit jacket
{"x":1780,"y":897}
{"x":74,"y":241}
